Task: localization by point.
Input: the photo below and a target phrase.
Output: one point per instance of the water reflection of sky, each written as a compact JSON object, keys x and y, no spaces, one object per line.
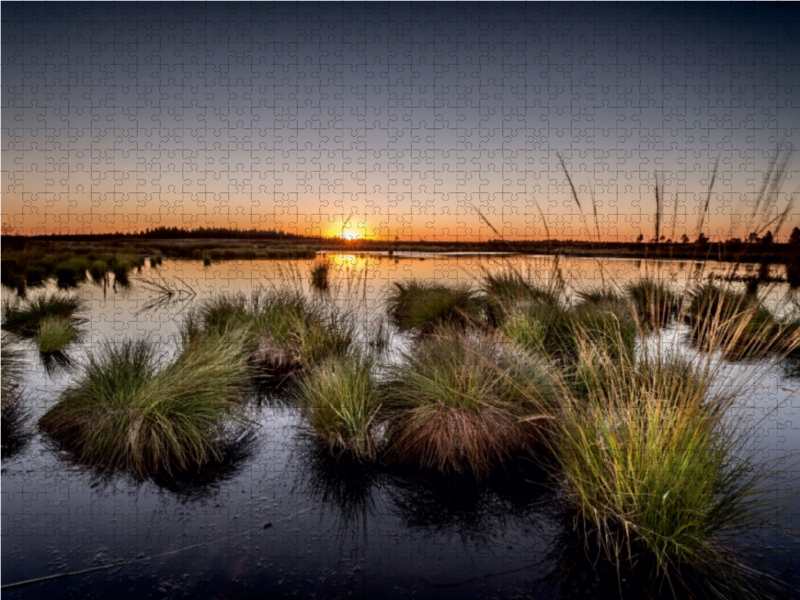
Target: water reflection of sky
{"x":341,"y":529}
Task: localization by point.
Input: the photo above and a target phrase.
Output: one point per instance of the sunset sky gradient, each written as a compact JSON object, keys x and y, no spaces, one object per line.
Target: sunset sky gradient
{"x":124,"y":116}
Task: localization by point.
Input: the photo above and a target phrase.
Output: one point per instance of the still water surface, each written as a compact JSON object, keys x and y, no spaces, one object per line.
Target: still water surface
{"x":279,"y":520}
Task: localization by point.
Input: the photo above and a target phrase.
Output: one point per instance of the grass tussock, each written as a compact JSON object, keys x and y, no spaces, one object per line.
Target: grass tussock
{"x":128,"y":411}
{"x":284,"y":332}
{"x":423,"y":306}
{"x":543,"y":327}
{"x":55,"y":334}
{"x":98,"y":269}
{"x":319,"y":275}
{"x":737,"y":324}
{"x":655,"y":304}
{"x":25,"y":317}
{"x":459,"y":400}
{"x":508,"y":293}
{"x":339,"y":399}
{"x":71,"y":272}
{"x":548,"y":328}
{"x":647,"y":458}
{"x":606,"y":322}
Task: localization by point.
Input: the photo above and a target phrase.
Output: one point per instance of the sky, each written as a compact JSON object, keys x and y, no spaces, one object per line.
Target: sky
{"x":407,"y":120}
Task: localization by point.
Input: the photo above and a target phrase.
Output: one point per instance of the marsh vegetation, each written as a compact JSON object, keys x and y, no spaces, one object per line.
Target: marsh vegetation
{"x":129,"y":410}
{"x":622,"y":396}
{"x":616,"y":393}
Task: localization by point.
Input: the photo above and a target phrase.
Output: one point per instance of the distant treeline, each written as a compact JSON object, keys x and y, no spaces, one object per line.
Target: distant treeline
{"x":171,"y":233}
{"x":754,"y":249}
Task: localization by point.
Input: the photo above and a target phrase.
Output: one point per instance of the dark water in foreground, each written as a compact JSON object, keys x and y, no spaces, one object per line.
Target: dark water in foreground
{"x":279,"y":520}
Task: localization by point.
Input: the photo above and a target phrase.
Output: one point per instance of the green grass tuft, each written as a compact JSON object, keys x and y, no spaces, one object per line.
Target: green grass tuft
{"x":127,"y":411}
{"x":422,"y":306}
{"x":508,"y":293}
{"x":604,"y":321}
{"x":71,"y":272}
{"x":542,"y":326}
{"x":647,"y":458}
{"x":655,"y":304}
{"x":98,"y":270}
{"x":54,"y":334}
{"x":285,"y":333}
{"x":25,"y":317}
{"x":340,"y":400}
{"x":457,"y":400}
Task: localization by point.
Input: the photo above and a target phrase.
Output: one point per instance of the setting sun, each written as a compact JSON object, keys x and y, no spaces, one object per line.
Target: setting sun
{"x":434,"y":298}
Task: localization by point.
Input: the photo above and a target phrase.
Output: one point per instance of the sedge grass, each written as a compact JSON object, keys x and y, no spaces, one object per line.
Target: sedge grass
{"x":422,"y":306}
{"x":71,"y":272}
{"x":541,"y":327}
{"x":508,"y":292}
{"x":547,"y":327}
{"x":54,"y":334}
{"x":98,"y":270}
{"x":604,"y":320}
{"x":650,"y":456}
{"x":339,"y":399}
{"x":650,"y":463}
{"x":285,"y":332}
{"x":25,"y":317}
{"x":456,"y":402}
{"x":319,"y":275}
{"x":655,"y":304}
{"x":127,"y":411}
{"x":737,"y":324}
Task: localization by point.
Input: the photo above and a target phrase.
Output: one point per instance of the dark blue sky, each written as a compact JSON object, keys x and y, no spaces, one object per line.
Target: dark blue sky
{"x":127,"y":116}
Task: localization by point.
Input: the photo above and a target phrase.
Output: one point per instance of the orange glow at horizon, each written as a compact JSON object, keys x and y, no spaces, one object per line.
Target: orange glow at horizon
{"x":447,"y":221}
